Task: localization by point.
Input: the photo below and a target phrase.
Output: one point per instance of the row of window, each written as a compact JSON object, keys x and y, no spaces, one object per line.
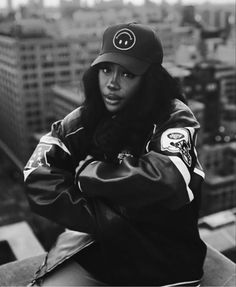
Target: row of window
{"x":31,"y":47}
{"x":44,"y":57}
{"x":5,"y":62}
{"x":32,"y":113}
{"x":50,"y":74}
{"x":32,"y":66}
{"x":31,"y":105}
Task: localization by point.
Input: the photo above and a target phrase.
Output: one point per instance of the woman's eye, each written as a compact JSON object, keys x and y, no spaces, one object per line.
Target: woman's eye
{"x":105,"y":70}
{"x":128,"y":75}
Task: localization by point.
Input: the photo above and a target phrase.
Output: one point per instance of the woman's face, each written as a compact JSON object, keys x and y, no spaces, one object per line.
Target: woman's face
{"x":117,"y":86}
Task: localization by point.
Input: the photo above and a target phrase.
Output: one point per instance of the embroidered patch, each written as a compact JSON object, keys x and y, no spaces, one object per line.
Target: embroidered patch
{"x":39,"y":157}
{"x":177,"y":140}
{"x":122,"y":155}
{"x":124,"y":39}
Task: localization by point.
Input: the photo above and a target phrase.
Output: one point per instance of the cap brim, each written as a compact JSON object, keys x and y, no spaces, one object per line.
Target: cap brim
{"x":133,"y":65}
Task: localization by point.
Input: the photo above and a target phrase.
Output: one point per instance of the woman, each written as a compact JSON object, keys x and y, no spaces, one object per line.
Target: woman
{"x":121,"y":174}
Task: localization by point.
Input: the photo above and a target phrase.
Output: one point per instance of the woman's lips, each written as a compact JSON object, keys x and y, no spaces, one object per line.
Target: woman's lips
{"x":112,"y":99}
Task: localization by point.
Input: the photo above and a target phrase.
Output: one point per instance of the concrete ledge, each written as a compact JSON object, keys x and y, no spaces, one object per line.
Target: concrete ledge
{"x":21,"y":239}
{"x":20,"y":273}
{"x":219,"y":271}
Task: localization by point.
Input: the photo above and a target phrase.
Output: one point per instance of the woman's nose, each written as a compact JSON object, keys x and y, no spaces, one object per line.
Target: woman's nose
{"x":113,"y":82}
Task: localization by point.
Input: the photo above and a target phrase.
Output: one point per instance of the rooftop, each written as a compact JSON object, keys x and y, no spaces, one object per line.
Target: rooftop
{"x":219,"y":271}
{"x":218,"y":230}
{"x":21,"y":239}
{"x":29,"y":254}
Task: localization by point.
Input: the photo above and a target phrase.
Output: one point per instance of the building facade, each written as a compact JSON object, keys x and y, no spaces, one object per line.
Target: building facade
{"x":219,"y":190}
{"x":31,"y":62}
{"x":66,"y":98}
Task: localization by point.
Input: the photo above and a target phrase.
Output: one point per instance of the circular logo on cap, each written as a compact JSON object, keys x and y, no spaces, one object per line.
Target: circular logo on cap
{"x":124,"y":39}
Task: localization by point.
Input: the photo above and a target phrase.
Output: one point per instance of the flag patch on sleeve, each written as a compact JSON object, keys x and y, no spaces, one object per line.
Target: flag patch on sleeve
{"x":177,"y":140}
{"x":39,"y":157}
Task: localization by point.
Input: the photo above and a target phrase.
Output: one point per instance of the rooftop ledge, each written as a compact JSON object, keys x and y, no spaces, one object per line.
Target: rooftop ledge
{"x":219,"y":270}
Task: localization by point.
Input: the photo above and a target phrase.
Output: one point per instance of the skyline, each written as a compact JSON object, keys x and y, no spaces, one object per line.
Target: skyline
{"x":16,"y":3}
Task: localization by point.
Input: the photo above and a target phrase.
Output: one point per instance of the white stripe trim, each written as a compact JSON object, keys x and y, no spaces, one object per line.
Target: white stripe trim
{"x":154,"y":129}
{"x":199,"y":172}
{"x":181,"y":283}
{"x":191,"y":130}
{"x":195,"y":151}
{"x":147,"y":146}
{"x":72,"y":133}
{"x":52,"y":140}
{"x":93,"y":162}
{"x":79,"y":185}
{"x":184,"y":172}
{"x":28,"y":172}
{"x":153,"y":132}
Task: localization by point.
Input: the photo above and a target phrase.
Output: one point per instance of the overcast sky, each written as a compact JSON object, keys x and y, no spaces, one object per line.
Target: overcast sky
{"x":55,"y":2}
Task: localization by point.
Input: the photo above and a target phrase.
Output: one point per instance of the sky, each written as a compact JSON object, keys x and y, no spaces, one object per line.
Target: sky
{"x":55,"y":2}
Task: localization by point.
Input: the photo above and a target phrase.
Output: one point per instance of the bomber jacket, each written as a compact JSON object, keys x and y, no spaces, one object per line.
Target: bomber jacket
{"x":141,"y":212}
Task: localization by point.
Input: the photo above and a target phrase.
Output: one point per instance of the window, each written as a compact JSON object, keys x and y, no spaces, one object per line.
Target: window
{"x":48,"y":74}
{"x":48,"y":84}
{"x":47,"y":65}
{"x":65,"y":73}
{"x":64,"y":63}
{"x":46,"y":46}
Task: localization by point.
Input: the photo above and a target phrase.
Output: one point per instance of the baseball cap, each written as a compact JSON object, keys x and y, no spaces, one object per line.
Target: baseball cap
{"x":133,"y":46}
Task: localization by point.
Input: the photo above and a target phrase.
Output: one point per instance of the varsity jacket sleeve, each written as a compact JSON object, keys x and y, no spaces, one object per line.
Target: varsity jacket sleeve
{"x":49,"y":177}
{"x":168,"y":173}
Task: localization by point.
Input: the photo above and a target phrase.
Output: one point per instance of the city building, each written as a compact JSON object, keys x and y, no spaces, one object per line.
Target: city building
{"x":66,"y":98}
{"x":198,"y":109}
{"x":218,"y":193}
{"x":34,"y":56}
{"x":188,"y":15}
{"x":167,"y":36}
{"x":219,"y":163}
{"x":212,"y":83}
{"x":202,"y":86}
{"x":68,"y":7}
{"x":186,"y":45}
{"x":226,"y":75}
{"x":229,"y":120}
{"x":215,"y":16}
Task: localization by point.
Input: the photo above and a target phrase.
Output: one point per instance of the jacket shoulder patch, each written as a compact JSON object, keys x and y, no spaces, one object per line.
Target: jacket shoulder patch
{"x":177,"y":140}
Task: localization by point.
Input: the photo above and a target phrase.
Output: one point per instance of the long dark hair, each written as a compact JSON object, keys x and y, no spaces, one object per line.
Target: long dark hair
{"x":151,"y":105}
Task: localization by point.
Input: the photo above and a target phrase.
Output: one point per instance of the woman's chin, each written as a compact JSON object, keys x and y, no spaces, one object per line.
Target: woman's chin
{"x":112,"y":108}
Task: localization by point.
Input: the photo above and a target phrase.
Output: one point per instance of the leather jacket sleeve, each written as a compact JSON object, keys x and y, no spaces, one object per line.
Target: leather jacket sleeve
{"x":50,"y":185}
{"x":167,"y":174}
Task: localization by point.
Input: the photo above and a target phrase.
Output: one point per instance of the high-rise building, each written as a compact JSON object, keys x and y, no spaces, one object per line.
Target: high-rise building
{"x":229,"y":120}
{"x":212,"y":83}
{"x":215,"y":17}
{"x":198,"y":110}
{"x":188,"y":15}
{"x":226,"y":74}
{"x":9,"y":5}
{"x":219,"y":163}
{"x":202,"y":86}
{"x":31,"y":61}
